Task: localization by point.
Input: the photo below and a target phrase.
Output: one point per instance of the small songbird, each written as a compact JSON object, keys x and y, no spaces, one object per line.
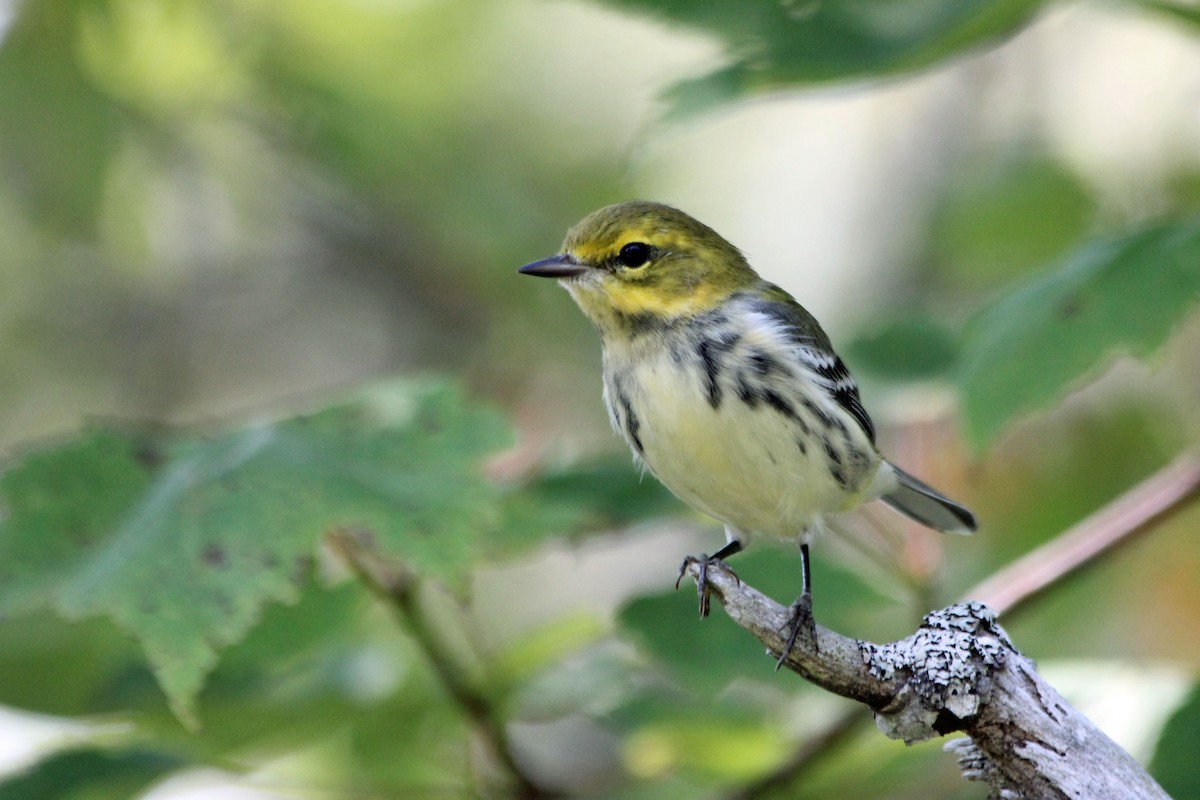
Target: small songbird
{"x":726,"y":389}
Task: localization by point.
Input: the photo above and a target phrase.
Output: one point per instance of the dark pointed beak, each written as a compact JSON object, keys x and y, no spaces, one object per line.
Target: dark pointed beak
{"x":560,"y":266}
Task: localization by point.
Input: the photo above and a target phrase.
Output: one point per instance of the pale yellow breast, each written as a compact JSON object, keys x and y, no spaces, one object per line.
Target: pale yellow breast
{"x":743,"y":465}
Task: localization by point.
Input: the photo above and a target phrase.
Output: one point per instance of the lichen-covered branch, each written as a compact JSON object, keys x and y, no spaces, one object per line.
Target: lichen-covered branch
{"x":958,"y":672}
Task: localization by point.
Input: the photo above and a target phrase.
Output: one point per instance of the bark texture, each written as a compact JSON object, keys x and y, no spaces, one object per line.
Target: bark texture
{"x":958,"y":672}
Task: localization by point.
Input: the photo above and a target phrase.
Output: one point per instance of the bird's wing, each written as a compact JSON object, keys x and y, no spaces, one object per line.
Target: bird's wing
{"x":814,"y":350}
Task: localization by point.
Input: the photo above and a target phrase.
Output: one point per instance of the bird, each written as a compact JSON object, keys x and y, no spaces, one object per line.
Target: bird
{"x":727,"y":390}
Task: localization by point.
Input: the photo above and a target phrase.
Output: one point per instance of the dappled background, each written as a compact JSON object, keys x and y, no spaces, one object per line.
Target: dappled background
{"x":217,"y":214}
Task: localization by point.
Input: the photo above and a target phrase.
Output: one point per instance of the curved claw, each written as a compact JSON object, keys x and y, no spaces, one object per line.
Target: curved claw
{"x":701,"y":580}
{"x":702,"y":589}
{"x":801,"y":619}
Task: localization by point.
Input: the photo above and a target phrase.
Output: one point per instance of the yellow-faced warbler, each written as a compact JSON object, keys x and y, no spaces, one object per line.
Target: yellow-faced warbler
{"x":726,"y":389}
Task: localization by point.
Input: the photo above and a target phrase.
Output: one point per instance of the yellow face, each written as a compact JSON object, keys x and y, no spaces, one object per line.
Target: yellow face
{"x":640,"y":258}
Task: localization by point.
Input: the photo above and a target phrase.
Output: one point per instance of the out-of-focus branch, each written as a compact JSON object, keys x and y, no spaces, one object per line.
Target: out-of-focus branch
{"x":1134,"y":512}
{"x":398,"y":587}
{"x":958,"y":672}
{"x":841,"y":730}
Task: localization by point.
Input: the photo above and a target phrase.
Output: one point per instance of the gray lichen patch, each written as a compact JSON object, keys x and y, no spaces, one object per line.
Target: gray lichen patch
{"x":945,"y":667}
{"x":975,"y":766}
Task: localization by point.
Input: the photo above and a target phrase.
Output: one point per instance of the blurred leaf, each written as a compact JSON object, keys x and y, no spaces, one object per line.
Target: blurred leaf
{"x":704,"y":654}
{"x":302,"y":669}
{"x":997,"y":223}
{"x":592,"y":682}
{"x":546,"y":645}
{"x":909,"y":348}
{"x":182,"y":541}
{"x":335,"y":679}
{"x":57,"y":132}
{"x":722,"y":748}
{"x":579,"y":499}
{"x":1183,"y":188}
{"x":773,"y":44}
{"x":1116,"y":294}
{"x":53,"y":666}
{"x":1174,"y":762}
{"x":88,"y":775}
{"x":871,"y":766}
{"x":412,"y":746}
{"x":1183,"y":12}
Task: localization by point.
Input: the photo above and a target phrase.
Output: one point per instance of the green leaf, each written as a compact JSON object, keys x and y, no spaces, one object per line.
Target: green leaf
{"x":58,"y":133}
{"x":1121,"y":294}
{"x":909,"y":348}
{"x":725,"y":749}
{"x":775,"y":44}
{"x":1174,"y":762}
{"x":705,"y":654}
{"x":181,"y":541}
{"x":53,"y":666}
{"x":1001,"y":218}
{"x":89,"y":775}
{"x":592,"y":682}
{"x":579,"y":499}
{"x":543,"y":647}
{"x":1182,"y":12}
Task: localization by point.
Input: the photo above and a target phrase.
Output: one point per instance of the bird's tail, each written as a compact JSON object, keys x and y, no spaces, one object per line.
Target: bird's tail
{"x":928,"y":506}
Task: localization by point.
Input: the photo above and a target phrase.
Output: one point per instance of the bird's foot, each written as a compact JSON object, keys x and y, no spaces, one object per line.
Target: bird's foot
{"x":702,"y":589}
{"x":800,"y":621}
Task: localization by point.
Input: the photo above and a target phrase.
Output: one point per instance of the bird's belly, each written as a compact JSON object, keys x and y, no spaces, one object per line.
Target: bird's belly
{"x":749,"y":466}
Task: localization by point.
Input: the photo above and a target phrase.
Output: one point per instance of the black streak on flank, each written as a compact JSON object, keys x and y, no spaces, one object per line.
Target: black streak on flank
{"x":632,"y":425}
{"x":835,"y":465}
{"x":803,"y":447}
{"x":777,"y":402}
{"x":625,"y":415}
{"x":746,"y":393}
{"x":710,"y":352}
{"x":818,"y":412}
{"x":710,"y":371}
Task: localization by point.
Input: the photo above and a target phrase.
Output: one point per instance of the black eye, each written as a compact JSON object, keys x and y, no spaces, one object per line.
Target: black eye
{"x":635,"y":254}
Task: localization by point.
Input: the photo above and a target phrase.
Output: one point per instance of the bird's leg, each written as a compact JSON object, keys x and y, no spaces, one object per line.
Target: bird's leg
{"x":732,"y":547}
{"x":801,"y":618}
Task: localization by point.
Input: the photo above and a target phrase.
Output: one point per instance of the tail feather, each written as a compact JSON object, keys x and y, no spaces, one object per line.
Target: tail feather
{"x":927,"y":506}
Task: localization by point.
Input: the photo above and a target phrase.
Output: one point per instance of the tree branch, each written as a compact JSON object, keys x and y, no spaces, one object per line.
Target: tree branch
{"x":398,"y":587}
{"x":1138,"y":510}
{"x":958,"y":672}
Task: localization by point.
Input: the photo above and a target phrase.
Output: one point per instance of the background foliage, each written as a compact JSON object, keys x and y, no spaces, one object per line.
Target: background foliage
{"x":232,"y":540}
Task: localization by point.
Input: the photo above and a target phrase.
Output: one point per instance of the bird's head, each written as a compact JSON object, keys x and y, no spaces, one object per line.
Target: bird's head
{"x":638,"y":261}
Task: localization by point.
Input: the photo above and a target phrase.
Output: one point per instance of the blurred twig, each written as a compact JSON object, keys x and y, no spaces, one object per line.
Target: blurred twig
{"x":1134,"y":512}
{"x":836,"y":733}
{"x":396,"y":585}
